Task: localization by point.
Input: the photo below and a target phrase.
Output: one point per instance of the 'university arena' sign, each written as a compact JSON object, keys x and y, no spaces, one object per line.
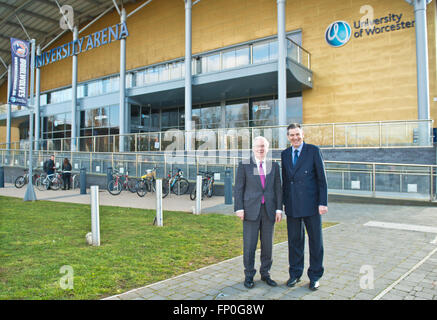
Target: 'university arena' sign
{"x":86,"y":43}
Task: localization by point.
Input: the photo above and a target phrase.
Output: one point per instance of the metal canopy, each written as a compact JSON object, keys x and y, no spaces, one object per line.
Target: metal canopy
{"x":40,"y":19}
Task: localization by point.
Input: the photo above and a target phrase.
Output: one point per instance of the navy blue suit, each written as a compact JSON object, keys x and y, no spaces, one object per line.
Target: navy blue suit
{"x":304,"y":189}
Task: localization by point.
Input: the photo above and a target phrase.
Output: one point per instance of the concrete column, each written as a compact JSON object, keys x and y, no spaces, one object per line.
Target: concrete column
{"x":282,"y":73}
{"x":8,"y":116}
{"x":422,"y":68}
{"x":188,"y":76}
{"x":37,"y":102}
{"x":122,"y":110}
{"x":74,"y":95}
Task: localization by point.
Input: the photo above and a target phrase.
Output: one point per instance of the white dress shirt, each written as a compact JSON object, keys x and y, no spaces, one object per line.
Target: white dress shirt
{"x":264,"y":170}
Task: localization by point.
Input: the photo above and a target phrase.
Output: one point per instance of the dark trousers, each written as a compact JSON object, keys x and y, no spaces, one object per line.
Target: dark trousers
{"x":264,"y":227}
{"x":66,"y":177}
{"x":296,"y":246}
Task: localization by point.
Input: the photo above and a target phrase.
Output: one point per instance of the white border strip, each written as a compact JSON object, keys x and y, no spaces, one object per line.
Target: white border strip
{"x":379,"y":296}
{"x":400,"y":226}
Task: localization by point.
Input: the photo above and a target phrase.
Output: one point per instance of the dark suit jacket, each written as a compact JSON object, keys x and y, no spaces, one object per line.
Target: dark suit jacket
{"x":248,"y":190}
{"x":304,"y":186}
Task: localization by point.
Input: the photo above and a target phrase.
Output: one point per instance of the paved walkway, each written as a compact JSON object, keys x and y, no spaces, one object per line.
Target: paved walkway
{"x":362,"y":260}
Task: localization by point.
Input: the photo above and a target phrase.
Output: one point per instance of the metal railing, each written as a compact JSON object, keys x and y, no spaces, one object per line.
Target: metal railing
{"x":378,"y":134}
{"x":363,"y":179}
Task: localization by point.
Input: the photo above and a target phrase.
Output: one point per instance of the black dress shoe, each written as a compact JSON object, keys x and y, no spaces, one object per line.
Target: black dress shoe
{"x":248,"y":283}
{"x":292,"y":282}
{"x":269,"y":281}
{"x":314,"y":285}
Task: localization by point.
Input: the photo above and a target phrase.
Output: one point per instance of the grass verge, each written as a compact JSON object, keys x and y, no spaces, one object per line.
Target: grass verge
{"x":37,"y":239}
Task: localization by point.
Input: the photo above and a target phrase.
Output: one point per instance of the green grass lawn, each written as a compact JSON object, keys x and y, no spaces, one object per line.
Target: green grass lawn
{"x":37,"y":239}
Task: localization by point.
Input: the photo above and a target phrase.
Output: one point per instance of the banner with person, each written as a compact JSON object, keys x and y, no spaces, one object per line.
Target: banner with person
{"x":20,"y":50}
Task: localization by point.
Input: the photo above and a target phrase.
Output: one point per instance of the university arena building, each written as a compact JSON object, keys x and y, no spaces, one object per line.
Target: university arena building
{"x":355,"y":73}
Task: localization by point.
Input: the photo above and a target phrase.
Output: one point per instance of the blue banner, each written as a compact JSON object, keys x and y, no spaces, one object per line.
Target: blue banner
{"x":20,"y":51}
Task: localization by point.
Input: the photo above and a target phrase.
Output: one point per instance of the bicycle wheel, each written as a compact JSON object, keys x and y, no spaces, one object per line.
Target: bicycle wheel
{"x":132,"y":185}
{"x":193,"y":193}
{"x":20,"y":182}
{"x":181,"y":186}
{"x":75,"y":183}
{"x":40,"y":184}
{"x":210,"y":189}
{"x":165,"y":188}
{"x":114,"y":187}
{"x":142,"y":189}
{"x":55,"y":184}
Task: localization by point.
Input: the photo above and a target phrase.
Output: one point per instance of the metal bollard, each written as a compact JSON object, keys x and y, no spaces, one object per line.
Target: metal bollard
{"x":108,"y":176}
{"x":159,"y":218}
{"x":82,"y":180}
{"x":199,"y":195}
{"x":95,"y":215}
{"x":2,"y":177}
{"x":228,"y":187}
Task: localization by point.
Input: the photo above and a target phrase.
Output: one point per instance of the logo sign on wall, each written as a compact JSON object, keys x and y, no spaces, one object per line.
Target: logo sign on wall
{"x":338,"y":33}
{"x":20,"y":72}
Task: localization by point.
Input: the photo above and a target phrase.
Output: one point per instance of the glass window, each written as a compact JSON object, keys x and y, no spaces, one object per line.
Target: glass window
{"x":175,"y":70}
{"x":43,"y":99}
{"x":211,"y":63}
{"x":68,"y":121}
{"x":104,"y":114}
{"x":195,"y":116}
{"x":155,"y":126}
{"x":145,"y":117}
{"x":81,"y":90}
{"x":169,"y":119}
{"x":113,"y":116}
{"x":237,"y":115}
{"x":96,"y":117}
{"x":273,"y":50}
{"x":139,"y":78}
{"x":88,"y":120}
{"x":228,"y":59}
{"x":94,"y":88}
{"x":135,"y":115}
{"x":152,"y":75}
{"x":294,"y":109}
{"x":163,"y":72}
{"x":210,"y":117}
{"x":260,"y":52}
{"x":59,"y":122}
{"x":242,"y":56}
{"x":264,"y":113}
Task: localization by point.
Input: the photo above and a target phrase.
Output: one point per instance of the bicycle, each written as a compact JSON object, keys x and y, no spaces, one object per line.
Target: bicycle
{"x":74,"y":180}
{"x":119,"y":182}
{"x":24,"y":179}
{"x":176,"y":183}
{"x":207,"y":185}
{"x":147,"y":182}
{"x":46,"y":181}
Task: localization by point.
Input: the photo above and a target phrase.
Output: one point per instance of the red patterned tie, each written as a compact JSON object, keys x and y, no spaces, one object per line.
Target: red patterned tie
{"x":262,"y":177}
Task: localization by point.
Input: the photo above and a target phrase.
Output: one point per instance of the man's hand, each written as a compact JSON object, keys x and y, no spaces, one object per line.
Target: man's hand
{"x":323,"y":209}
{"x":278,"y":217}
{"x":240,"y":214}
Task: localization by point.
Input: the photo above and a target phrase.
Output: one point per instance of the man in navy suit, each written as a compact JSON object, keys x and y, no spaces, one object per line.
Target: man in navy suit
{"x":305,"y":196}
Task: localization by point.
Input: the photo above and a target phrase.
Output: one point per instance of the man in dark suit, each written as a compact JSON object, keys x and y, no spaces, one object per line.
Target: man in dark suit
{"x":258,"y":203}
{"x":306,"y":199}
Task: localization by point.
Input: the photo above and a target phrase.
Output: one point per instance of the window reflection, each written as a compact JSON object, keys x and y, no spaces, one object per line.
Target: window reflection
{"x":264,"y":113}
{"x":237,"y":115}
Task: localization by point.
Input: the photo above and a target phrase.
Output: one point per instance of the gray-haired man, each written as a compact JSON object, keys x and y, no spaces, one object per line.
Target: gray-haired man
{"x":258,"y":203}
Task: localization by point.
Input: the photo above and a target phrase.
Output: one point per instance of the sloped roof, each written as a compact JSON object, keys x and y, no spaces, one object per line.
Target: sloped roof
{"x":40,"y":19}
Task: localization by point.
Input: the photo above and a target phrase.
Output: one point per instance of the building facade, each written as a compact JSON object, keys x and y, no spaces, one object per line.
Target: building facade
{"x":348,"y":61}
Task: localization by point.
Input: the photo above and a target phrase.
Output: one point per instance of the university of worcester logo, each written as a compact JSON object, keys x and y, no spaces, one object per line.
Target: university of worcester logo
{"x":338,"y":33}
